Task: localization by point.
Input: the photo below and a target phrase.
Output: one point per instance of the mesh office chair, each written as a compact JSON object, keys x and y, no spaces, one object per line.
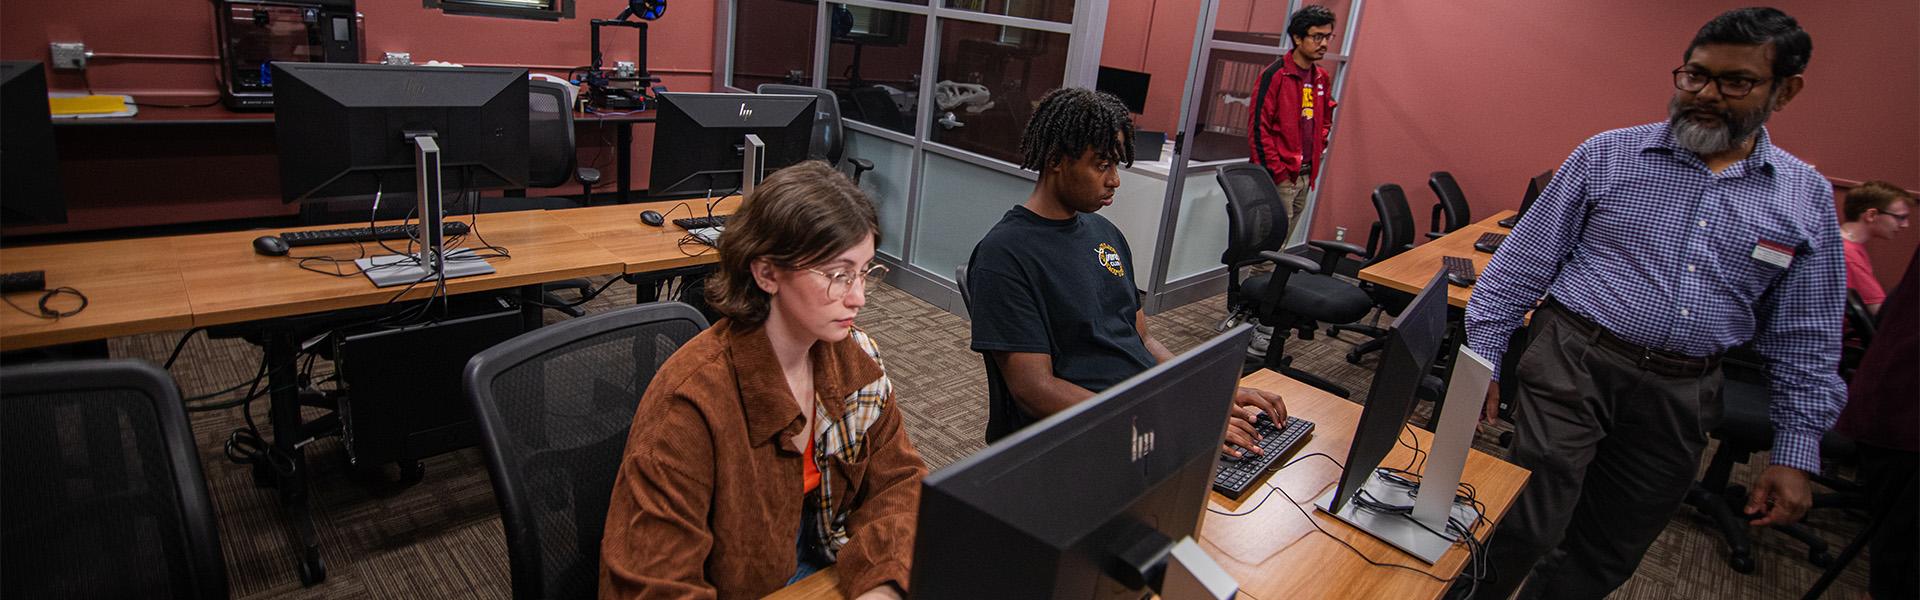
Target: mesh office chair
{"x":1389,"y":236}
{"x":1746,"y":428}
{"x":829,"y":137}
{"x":1451,"y":212}
{"x":552,"y":161}
{"x":1298,"y":294}
{"x":104,"y":493}
{"x":1003,"y":416}
{"x":553,"y":407}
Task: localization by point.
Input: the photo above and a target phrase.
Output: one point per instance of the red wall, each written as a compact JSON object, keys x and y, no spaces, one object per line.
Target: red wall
{"x":1498,"y":90}
{"x":163,"y":51}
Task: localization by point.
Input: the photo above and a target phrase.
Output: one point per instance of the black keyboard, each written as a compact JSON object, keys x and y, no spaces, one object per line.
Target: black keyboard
{"x":692,"y":223}
{"x":1489,"y":242}
{"x":362,"y":234}
{"x":1459,"y":270}
{"x":1235,"y":476}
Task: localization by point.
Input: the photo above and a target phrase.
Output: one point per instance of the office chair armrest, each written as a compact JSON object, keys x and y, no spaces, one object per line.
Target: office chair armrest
{"x":1434,"y":235}
{"x":1338,"y":249}
{"x":1289,"y":262}
{"x":860,"y":165}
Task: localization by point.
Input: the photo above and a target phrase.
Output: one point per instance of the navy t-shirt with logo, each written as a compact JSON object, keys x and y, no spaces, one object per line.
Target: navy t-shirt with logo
{"x":1059,"y":287}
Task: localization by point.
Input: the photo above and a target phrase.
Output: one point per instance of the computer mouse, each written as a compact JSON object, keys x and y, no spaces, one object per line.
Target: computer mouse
{"x":652,"y":218}
{"x":268,"y":245}
{"x":1460,"y":279}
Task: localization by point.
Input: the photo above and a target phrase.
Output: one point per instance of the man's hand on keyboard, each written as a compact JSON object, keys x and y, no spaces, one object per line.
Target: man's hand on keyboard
{"x":1248,"y":403}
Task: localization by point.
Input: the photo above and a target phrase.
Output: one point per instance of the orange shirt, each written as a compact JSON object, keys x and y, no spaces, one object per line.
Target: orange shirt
{"x":810,"y":473}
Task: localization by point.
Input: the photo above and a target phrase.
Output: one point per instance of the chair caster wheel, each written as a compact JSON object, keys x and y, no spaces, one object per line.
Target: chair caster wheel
{"x":312,"y":569}
{"x":1353,"y":358}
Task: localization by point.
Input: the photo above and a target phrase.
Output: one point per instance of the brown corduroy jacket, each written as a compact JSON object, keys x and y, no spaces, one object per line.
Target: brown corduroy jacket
{"x":708,"y":500}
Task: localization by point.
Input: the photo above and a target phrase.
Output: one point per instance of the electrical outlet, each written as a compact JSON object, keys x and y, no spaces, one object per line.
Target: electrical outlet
{"x":1339,"y":234}
{"x":625,"y":68}
{"x":69,"y":56}
{"x":397,"y":58}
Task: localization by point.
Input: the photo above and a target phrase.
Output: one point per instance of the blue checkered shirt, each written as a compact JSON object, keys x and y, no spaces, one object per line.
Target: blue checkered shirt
{"x":1636,"y":234}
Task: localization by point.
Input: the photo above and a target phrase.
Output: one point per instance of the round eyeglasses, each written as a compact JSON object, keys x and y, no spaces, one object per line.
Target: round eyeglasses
{"x":841,"y":281}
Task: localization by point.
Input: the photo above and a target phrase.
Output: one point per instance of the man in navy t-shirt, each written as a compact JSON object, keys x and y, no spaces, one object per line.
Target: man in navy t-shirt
{"x":1053,"y":299}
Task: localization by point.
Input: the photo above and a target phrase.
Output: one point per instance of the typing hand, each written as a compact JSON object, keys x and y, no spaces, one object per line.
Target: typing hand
{"x":1241,"y":433}
{"x":1263,"y":401}
{"x":1780,"y":496}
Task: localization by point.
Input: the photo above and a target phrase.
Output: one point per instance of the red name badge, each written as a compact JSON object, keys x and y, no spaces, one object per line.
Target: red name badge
{"x":1773,"y":253}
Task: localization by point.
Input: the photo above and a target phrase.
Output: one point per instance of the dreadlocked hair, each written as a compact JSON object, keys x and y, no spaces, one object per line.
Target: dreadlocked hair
{"x":1070,"y":121}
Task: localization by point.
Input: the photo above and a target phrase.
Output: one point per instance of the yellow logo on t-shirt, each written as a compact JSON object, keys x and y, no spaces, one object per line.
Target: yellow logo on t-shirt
{"x":1306,"y":102}
{"x":1110,"y":258}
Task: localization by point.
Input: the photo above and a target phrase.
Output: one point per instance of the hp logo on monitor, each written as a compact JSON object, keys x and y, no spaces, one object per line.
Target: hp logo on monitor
{"x":745,"y":113}
{"x":1142,"y":441}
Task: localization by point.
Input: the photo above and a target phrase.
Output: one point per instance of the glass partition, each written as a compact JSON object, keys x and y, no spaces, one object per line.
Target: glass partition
{"x":773,"y":42}
{"x":873,"y":64}
{"x":990,"y":77}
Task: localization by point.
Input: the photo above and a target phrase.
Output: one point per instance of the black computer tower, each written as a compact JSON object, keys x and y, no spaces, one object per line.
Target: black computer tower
{"x":404,"y":400}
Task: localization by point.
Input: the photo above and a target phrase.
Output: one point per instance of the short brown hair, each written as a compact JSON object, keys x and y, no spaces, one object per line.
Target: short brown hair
{"x":798,"y":217}
{"x":1873,"y":194}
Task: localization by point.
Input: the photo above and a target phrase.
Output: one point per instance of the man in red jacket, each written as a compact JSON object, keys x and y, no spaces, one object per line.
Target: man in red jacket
{"x":1288,"y":130}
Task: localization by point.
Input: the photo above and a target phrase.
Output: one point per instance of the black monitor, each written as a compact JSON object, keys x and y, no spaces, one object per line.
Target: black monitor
{"x":1412,"y":346}
{"x":1129,"y":86}
{"x":345,"y":129}
{"x":1050,"y":511}
{"x":29,"y":167}
{"x":698,"y":139}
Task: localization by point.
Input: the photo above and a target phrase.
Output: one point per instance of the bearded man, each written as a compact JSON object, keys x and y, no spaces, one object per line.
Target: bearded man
{"x":1655,"y":250}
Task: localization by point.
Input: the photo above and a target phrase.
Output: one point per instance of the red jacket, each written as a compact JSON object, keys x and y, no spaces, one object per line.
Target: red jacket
{"x":1283,"y":111}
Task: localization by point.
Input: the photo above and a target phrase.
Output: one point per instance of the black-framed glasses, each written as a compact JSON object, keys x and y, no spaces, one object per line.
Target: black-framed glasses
{"x":1897,"y":217}
{"x":1318,"y":37}
{"x":1731,"y":86}
{"x":841,"y":281}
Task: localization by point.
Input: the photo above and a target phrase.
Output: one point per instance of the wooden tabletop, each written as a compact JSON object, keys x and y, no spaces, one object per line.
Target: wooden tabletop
{"x":1274,"y":551}
{"x":1411,"y":270}
{"x":228,"y":283}
{"x":132,"y":286}
{"x":640,"y":247}
{"x":220,"y":115}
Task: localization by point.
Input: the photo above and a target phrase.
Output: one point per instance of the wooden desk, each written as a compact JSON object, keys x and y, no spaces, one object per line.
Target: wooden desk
{"x":228,"y":283}
{"x":132,"y":286}
{"x":1411,"y":270}
{"x":643,"y":248}
{"x":1274,"y":552}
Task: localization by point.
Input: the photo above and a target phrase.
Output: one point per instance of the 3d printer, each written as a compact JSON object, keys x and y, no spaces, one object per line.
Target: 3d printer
{"x":255,"y":33}
{"x":624,"y":89}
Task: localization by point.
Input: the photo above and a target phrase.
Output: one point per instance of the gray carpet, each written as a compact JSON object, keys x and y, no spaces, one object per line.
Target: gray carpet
{"x":442,"y":537}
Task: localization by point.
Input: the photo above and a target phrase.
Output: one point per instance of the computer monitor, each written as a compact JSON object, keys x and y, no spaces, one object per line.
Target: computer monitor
{"x":1090,"y":502}
{"x":347,"y":129}
{"x":29,"y":167}
{"x":1413,"y":345}
{"x":1129,"y":86}
{"x":706,"y":134}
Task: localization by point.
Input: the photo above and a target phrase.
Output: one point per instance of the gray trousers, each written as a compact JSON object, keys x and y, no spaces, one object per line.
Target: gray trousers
{"x":1613,"y":446}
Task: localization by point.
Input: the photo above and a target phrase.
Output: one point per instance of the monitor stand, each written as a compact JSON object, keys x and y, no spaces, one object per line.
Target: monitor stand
{"x":1434,"y":503}
{"x":434,"y":260}
{"x":407,"y":269}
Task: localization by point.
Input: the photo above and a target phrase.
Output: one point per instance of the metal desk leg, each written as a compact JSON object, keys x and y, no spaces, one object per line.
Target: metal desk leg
{"x":530,"y":316}
{"x":624,"y":154}
{"x":289,"y":435}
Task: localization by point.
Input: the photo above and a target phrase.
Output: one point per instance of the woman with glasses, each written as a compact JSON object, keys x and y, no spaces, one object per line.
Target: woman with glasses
{"x":770,"y":445}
